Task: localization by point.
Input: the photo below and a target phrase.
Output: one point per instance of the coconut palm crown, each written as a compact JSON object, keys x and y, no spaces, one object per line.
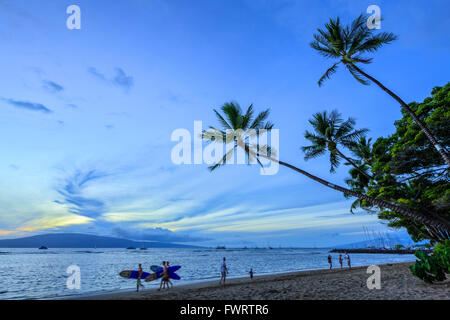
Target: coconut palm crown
{"x":348,"y":44}
{"x":237,"y":126}
{"x":331,"y":131}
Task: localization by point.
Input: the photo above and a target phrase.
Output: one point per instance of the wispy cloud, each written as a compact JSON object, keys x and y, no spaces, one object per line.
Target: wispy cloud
{"x":28,"y":105}
{"x":52,"y":86}
{"x":93,"y":71}
{"x":120,"y":79}
{"x":72,"y":192}
{"x":155,"y":234}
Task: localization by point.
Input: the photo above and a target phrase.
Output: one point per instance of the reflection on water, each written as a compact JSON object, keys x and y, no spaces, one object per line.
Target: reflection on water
{"x":37,"y":274}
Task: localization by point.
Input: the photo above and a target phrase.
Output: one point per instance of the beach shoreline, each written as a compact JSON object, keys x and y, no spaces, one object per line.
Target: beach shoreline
{"x":397,"y":283}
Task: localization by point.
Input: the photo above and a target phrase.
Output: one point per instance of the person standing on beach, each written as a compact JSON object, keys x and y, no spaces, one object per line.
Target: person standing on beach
{"x":340,"y":260}
{"x":163,"y":277}
{"x":329,"y":261}
{"x":348,"y":260}
{"x":251,"y":274}
{"x":168,"y":276}
{"x":138,"y":282}
{"x":224,"y":271}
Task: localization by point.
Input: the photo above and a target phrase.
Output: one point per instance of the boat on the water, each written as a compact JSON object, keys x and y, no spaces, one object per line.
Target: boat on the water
{"x":43,"y":248}
{"x":131,"y":248}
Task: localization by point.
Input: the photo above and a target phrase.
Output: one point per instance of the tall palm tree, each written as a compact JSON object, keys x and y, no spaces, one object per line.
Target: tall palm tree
{"x":347,"y":45}
{"x":330,"y":131}
{"x":235,"y":122}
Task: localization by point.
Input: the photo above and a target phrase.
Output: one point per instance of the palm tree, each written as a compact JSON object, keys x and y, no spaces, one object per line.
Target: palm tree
{"x":348,"y":44}
{"x":330,"y":131}
{"x":235,"y":125}
{"x":238,"y":127}
{"x":363,"y":150}
{"x":358,"y":182}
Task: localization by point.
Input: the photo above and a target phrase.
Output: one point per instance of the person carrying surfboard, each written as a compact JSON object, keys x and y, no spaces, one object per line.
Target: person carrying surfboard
{"x":138,"y":281}
{"x":164,"y":276}
{"x":168,"y":275}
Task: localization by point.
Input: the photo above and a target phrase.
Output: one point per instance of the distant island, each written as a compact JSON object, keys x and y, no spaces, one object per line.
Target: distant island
{"x":78,"y":240}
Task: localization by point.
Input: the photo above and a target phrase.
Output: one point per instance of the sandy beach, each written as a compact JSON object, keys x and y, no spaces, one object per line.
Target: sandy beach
{"x":397,"y":283}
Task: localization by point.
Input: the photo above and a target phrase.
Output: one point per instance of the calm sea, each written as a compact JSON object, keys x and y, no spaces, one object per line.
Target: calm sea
{"x":41,"y":274}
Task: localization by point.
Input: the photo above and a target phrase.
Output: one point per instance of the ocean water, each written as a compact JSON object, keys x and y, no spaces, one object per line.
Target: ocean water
{"x":42,"y":274}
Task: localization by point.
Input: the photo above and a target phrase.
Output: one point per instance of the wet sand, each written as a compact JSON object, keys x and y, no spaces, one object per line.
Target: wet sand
{"x":397,"y":283}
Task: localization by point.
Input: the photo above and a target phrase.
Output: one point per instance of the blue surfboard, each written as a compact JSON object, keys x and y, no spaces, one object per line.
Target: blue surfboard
{"x":133,"y":274}
{"x":156,"y":268}
{"x":158,"y":274}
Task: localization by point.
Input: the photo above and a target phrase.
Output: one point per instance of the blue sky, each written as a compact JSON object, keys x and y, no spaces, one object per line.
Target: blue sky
{"x":86,"y":115}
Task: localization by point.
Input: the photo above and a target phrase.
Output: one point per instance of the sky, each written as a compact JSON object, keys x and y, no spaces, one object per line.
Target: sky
{"x":86,"y":116}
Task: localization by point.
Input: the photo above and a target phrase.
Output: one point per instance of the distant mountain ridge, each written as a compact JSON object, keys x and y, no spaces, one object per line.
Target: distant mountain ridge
{"x":78,"y":240}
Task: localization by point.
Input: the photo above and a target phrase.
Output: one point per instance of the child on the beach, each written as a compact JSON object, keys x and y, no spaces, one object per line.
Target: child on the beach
{"x":340,"y":260}
{"x":251,"y":273}
{"x":329,"y":261}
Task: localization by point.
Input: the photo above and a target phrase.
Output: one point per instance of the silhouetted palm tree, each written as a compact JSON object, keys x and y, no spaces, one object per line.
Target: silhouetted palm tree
{"x":235,"y":126}
{"x":348,"y":44}
{"x":330,"y":131}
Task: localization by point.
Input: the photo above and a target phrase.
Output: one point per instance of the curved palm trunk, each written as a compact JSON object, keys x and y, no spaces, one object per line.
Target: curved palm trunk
{"x":422,"y":126}
{"x":428,"y":220}
{"x":368,"y":176}
{"x":435,"y":221}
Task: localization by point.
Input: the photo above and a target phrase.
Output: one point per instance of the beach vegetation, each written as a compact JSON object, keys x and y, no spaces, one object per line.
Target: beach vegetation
{"x":434,"y":267}
{"x":407,"y":171}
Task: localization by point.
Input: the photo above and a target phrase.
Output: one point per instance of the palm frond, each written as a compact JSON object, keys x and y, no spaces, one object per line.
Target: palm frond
{"x":258,"y":123}
{"x":350,"y":138}
{"x":357,"y":75}
{"x":233,"y":112}
{"x":319,"y":140}
{"x":328,"y":73}
{"x":324,"y":50}
{"x":362,"y":59}
{"x":223,"y":161}
{"x":247,"y":117}
{"x":345,"y":128}
{"x":213,"y":134}
{"x":320,"y":123}
{"x":334,"y":161}
{"x":375,"y":42}
{"x":222,"y":121}
{"x":313,"y":151}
